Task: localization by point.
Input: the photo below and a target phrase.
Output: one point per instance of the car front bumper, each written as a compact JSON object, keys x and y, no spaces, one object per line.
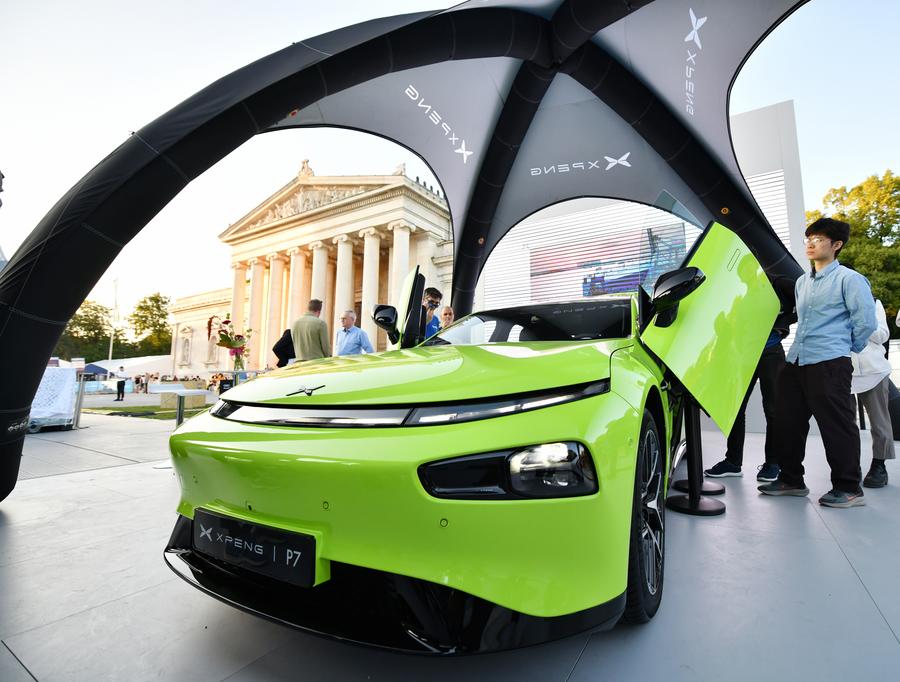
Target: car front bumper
{"x":384,"y":610}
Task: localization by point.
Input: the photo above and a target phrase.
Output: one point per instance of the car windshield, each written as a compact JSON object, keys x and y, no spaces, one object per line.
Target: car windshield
{"x":579,"y":320}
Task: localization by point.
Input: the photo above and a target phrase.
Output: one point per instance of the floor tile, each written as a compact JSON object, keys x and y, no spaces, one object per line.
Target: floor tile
{"x":165,"y":632}
{"x":314,"y":658}
{"x":734,"y":603}
{"x":10,"y":668}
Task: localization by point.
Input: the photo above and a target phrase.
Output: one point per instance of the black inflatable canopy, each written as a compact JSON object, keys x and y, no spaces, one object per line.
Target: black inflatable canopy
{"x":514,"y":105}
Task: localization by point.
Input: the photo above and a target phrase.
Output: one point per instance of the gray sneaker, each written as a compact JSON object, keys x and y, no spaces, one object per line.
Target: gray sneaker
{"x":842,"y":500}
{"x":779,"y":487}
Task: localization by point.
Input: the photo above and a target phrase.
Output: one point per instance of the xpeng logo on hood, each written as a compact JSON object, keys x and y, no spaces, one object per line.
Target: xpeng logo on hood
{"x":307,"y":391}
{"x":579,"y":166}
{"x":459,"y":145}
{"x":690,"y":65}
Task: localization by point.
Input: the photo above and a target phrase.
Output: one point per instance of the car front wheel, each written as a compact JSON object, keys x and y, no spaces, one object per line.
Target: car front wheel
{"x":646,"y":557}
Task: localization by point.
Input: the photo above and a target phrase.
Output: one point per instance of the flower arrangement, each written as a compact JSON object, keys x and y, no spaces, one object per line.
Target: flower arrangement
{"x":228,"y":338}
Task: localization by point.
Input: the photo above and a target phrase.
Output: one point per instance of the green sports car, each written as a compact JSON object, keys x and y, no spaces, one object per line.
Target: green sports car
{"x":499,"y":484}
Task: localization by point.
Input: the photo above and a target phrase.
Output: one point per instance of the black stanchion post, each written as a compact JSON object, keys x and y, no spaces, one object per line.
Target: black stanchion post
{"x":694,"y":502}
{"x":692,"y":421}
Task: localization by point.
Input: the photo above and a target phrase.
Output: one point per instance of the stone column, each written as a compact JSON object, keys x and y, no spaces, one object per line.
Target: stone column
{"x":328,"y":307}
{"x":343,"y":278}
{"x":296,"y":303}
{"x":254,"y":322}
{"x":238,"y":295}
{"x":400,"y":263}
{"x":276,"y":289}
{"x":371,"y":258}
{"x":425,"y":246}
{"x":306,"y":289}
{"x":319,"y":270}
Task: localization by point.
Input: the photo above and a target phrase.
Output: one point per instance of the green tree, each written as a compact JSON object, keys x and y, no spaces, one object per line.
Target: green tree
{"x":872,"y":208}
{"x":87,"y":334}
{"x":150,"y":324}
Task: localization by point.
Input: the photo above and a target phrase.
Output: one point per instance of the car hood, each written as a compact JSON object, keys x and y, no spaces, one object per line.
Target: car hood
{"x":431,"y":374}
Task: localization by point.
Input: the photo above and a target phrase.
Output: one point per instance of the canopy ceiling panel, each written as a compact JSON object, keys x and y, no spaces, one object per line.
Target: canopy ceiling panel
{"x":422,"y":109}
{"x":527,"y":84}
{"x":610,"y":160}
{"x":692,"y":70}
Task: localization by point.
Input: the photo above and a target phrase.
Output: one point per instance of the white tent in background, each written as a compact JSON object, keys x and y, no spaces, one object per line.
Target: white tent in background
{"x":161,"y":364}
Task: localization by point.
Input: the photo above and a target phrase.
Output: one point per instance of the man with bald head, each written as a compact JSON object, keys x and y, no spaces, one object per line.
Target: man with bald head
{"x":351,"y":340}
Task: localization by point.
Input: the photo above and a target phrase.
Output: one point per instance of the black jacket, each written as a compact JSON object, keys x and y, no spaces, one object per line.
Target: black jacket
{"x":284,"y":348}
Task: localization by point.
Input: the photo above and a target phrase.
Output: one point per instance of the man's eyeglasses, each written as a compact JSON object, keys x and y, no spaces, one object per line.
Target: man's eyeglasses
{"x":432,"y":304}
{"x":815,"y":241}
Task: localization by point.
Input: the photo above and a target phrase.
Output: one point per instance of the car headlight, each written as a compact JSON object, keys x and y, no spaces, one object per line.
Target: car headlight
{"x":536,"y":471}
{"x":552,"y":470}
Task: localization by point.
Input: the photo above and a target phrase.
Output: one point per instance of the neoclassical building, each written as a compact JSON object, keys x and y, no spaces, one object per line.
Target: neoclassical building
{"x":346,"y":240}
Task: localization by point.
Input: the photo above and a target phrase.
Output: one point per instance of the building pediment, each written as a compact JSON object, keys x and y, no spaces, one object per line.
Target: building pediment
{"x":309,"y":198}
{"x":304,"y":196}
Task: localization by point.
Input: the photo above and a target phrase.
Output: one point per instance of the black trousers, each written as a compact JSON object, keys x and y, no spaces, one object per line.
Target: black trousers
{"x":120,"y":390}
{"x":822,"y":391}
{"x":770,"y":364}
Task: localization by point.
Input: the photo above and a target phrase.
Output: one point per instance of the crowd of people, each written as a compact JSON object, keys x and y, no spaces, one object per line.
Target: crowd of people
{"x":838,"y":351}
{"x":143,"y":380}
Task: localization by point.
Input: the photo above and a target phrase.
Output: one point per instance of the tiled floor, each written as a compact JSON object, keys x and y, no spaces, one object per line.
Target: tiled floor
{"x":775,"y":588}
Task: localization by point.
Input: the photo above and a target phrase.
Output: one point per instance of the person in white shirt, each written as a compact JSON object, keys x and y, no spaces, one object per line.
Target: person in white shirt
{"x":121,"y":378}
{"x":871,"y":375}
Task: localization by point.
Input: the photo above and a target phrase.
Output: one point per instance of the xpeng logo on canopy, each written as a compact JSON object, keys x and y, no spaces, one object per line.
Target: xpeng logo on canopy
{"x":695,"y":29}
{"x":459,"y":146}
{"x":690,"y":65}
{"x":621,"y":161}
{"x":578,"y":166}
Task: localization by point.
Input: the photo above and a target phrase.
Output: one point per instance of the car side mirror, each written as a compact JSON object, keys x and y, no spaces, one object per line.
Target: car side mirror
{"x":385,"y":316}
{"x":672,"y":287}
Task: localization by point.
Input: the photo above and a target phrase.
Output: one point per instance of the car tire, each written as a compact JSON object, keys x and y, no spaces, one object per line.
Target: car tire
{"x":646,"y":553}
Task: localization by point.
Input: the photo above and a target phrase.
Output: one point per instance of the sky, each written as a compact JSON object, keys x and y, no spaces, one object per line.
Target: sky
{"x":77,"y":78}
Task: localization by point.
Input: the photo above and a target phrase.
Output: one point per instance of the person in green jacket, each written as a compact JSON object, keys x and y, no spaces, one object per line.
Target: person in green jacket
{"x":310,"y":334}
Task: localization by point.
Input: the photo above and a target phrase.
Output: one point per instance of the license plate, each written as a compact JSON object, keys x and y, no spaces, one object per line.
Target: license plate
{"x":279,"y":554}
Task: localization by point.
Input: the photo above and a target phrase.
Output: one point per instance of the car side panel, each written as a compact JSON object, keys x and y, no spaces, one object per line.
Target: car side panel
{"x":632,"y":375}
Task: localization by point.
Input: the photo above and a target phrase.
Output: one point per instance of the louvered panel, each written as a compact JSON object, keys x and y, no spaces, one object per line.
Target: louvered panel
{"x":604,"y":249}
{"x":768,"y":190}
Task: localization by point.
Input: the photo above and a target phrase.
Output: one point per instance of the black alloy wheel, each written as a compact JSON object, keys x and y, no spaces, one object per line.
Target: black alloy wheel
{"x":647,"y":548}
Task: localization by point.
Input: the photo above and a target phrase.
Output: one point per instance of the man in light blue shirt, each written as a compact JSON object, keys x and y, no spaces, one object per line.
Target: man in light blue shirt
{"x":351,"y":340}
{"x":432,"y":301}
{"x":835,"y":316}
